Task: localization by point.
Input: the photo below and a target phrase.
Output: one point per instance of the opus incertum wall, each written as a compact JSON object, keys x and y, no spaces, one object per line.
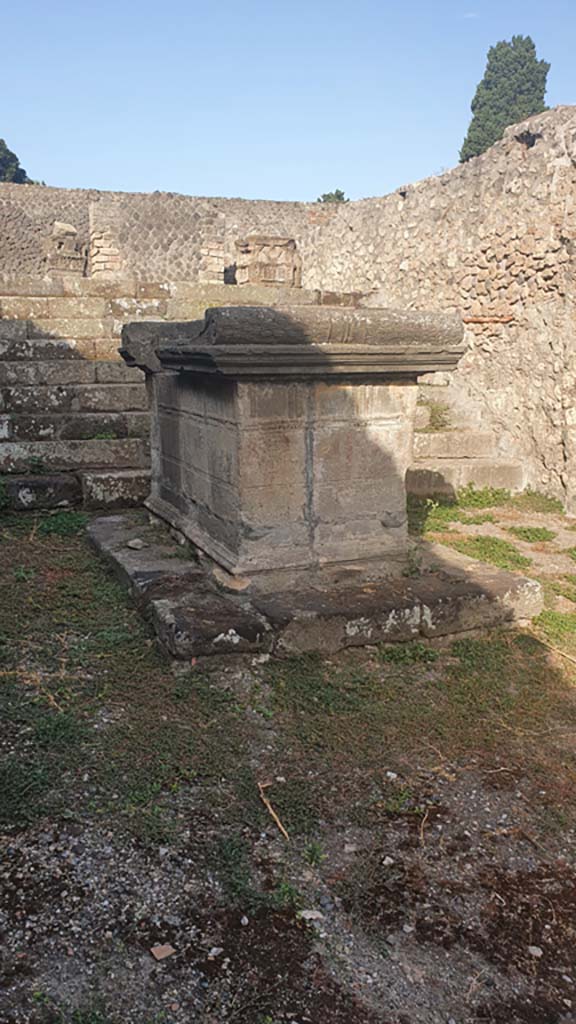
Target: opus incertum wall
{"x":494,"y":239}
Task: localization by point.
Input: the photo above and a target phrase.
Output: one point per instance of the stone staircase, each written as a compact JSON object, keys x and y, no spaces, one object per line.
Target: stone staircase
{"x":73,"y":430}
{"x":450,"y":452}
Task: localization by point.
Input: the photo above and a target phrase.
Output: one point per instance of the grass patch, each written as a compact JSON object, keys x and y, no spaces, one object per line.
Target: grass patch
{"x":533,"y":501}
{"x":59,"y":731}
{"x":564,"y":585}
{"x":431,"y":515}
{"x":492,"y":550}
{"x":234,"y":868}
{"x":558,"y":628}
{"x":63,"y":524}
{"x":408,"y":654}
{"x":482,"y":497}
{"x":22,"y":788}
{"x":302,"y":683}
{"x":427,"y":515}
{"x":532,"y":534}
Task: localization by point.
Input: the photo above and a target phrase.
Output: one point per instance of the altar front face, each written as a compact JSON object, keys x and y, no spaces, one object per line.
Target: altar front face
{"x":281,"y":438}
{"x":277,"y":475}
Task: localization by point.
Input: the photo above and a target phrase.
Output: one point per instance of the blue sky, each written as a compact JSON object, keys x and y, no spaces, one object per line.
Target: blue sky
{"x":282,"y":99}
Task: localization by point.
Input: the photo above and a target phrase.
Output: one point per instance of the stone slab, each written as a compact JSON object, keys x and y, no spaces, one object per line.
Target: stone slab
{"x":57,"y":398}
{"x":326,"y":612}
{"x":114,"y":488}
{"x":49,"y":373}
{"x":190,"y":615}
{"x":454,"y":444}
{"x":446,"y":476}
{"x":74,"y":426}
{"x":15,"y":345}
{"x":128,"y":453}
{"x":26,"y":493}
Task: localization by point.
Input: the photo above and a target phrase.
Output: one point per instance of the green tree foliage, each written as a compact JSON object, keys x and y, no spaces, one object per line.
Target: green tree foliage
{"x":10,"y":169}
{"x":512,"y":89}
{"x":337,"y":196}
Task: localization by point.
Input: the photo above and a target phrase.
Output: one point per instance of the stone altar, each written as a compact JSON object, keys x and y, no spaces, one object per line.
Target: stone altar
{"x":281,"y":437}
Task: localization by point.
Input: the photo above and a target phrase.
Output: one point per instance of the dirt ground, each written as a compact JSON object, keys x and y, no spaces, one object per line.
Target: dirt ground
{"x":429,"y":872}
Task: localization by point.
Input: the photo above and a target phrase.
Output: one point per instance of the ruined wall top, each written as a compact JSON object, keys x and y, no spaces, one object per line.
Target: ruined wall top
{"x":169,"y":236}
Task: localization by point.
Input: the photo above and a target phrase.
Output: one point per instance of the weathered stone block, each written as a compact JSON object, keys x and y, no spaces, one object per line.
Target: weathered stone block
{"x":114,"y":489}
{"x":447,"y":476}
{"x":57,"y":372}
{"x":68,"y":328}
{"x":21,"y":308}
{"x":454,"y":444}
{"x":25,"y":493}
{"x":281,"y":438}
{"x":17,"y":457}
{"x":117,"y":373}
{"x":77,"y":307}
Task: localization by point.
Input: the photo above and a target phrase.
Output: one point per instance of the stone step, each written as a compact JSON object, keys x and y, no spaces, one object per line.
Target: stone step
{"x":74,"y":398}
{"x":56,"y":456}
{"x":67,"y":371}
{"x":17,"y":346}
{"x":75,"y":426}
{"x":454,"y":444}
{"x":28,"y":492}
{"x":107,"y":489}
{"x":114,"y":488}
{"x":447,"y":476}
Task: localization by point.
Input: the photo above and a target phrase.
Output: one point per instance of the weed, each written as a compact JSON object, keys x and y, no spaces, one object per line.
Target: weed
{"x":152,"y":825}
{"x":479,"y":519}
{"x":24,"y":575}
{"x":407,"y":654}
{"x":22,"y":786}
{"x":233,"y":866}
{"x":413,"y":565}
{"x":198,"y":684}
{"x":532,"y":534}
{"x":571,"y":552}
{"x":402,"y":802}
{"x":57,"y":732}
{"x":564,"y":585}
{"x":493,"y":550}
{"x":90,"y":1016}
{"x":63,"y":524}
{"x":313,"y":854}
{"x":294,"y":802}
{"x":483,"y":497}
{"x":533,"y":501}
{"x":431,"y":515}
{"x":480,"y":655}
{"x":284,"y":897}
{"x":105,"y":435}
{"x":439,"y":415}
{"x":302,"y":682}
{"x":557,"y":627}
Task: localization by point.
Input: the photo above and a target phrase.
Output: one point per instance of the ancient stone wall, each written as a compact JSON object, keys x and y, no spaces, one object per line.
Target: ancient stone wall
{"x":494,"y":238}
{"x":158,"y":236}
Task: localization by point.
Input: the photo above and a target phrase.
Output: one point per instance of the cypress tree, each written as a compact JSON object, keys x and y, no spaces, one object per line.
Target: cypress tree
{"x":10,"y":169}
{"x":512,"y":89}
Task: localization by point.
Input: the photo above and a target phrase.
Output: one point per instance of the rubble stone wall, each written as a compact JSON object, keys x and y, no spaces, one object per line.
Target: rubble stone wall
{"x":494,"y":238}
{"x":158,"y":236}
